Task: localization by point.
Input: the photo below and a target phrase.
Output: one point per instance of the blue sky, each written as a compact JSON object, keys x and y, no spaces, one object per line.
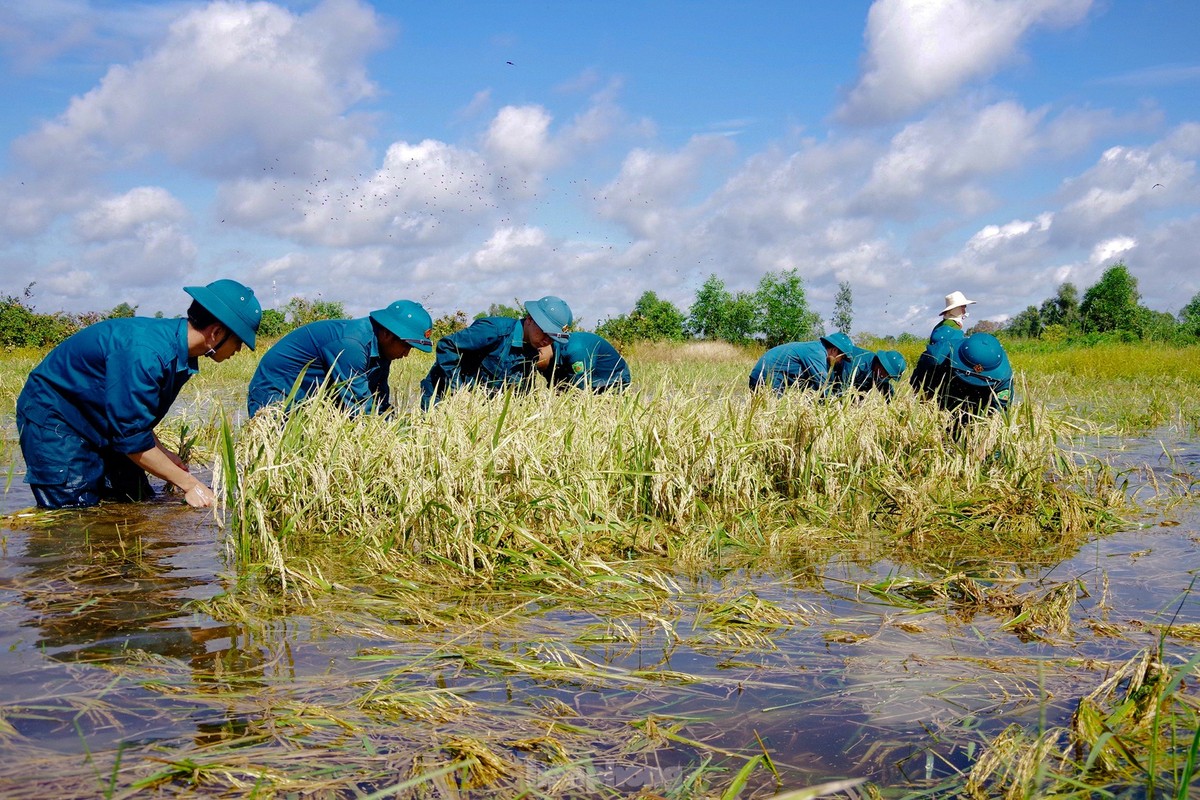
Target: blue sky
{"x":465,"y":153}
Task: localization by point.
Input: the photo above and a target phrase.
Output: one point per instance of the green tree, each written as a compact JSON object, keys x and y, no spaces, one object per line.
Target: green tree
{"x":720,"y":315}
{"x":1189,"y":316}
{"x":1156,"y":326}
{"x":652,"y":319}
{"x":740,"y":319}
{"x":21,"y":326}
{"x":706,"y":317}
{"x":1063,"y":308}
{"x":843,"y":308}
{"x":1027,"y":324}
{"x":121,"y":311}
{"x":273,"y":323}
{"x":448,"y":324}
{"x":1054,"y":333}
{"x":783,"y":314}
{"x":301,"y":311}
{"x":1112,"y":303}
{"x":502,"y":310}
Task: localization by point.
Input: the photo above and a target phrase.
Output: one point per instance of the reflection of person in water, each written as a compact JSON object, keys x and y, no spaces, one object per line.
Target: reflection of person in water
{"x":99,"y":592}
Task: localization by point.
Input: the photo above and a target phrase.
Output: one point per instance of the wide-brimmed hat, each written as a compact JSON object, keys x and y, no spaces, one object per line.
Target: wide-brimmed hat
{"x":956,"y":299}
{"x":233,"y":304}
{"x":552,"y":315}
{"x":409,"y":321}
{"x":840,"y":342}
{"x":893,"y":363}
{"x":980,"y":359}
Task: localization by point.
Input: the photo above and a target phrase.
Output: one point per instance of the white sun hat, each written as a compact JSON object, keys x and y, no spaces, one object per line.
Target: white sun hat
{"x":956,"y":299}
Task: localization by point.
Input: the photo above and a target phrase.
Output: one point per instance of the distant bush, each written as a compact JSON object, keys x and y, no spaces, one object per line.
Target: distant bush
{"x":273,"y":323}
{"x":21,"y":326}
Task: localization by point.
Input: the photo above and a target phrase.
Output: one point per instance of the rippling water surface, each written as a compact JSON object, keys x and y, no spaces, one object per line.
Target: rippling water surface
{"x":850,"y":684}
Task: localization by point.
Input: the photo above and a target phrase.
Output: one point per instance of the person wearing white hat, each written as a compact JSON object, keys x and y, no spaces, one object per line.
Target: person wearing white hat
{"x":951,"y":324}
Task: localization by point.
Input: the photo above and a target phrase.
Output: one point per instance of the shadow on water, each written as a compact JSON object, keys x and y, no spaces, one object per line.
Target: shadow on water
{"x":824,"y":669}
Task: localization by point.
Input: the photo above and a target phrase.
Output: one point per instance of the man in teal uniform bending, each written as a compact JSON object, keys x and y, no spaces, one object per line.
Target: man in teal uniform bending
{"x":496,"y":352}
{"x":585,"y":361}
{"x":970,"y":377}
{"x":87,"y":413}
{"x":805,"y":365}
{"x":867,"y":370}
{"x":351,"y":357}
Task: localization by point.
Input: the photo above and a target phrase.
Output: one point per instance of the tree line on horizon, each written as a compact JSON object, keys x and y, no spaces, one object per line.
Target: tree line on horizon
{"x":775,"y":312}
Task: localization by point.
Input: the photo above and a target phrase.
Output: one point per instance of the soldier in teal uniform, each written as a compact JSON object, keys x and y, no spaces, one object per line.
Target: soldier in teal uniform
{"x":495,"y":353}
{"x":867,"y":370}
{"x":981,"y":378}
{"x":953,"y":316}
{"x":87,"y":413}
{"x":585,"y":361}
{"x":805,"y":365}
{"x":971,"y":376}
{"x":351,"y":357}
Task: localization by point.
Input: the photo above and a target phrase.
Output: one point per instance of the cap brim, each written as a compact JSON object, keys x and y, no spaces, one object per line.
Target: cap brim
{"x":999,"y":373}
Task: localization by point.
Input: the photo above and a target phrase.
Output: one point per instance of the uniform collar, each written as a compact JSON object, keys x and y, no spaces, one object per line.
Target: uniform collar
{"x":373,"y":348}
{"x":193,"y":363}
{"x":518,"y":338}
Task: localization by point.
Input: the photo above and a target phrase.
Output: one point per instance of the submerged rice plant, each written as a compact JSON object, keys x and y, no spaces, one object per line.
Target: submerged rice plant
{"x":1138,"y":731}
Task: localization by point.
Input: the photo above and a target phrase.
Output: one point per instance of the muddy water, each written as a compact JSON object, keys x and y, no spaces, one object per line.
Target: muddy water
{"x":101,"y":649}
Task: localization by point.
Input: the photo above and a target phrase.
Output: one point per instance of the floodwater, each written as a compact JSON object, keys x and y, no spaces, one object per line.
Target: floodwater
{"x":103,"y":651}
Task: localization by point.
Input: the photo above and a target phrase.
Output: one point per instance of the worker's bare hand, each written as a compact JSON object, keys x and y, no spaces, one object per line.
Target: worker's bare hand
{"x":200,"y":496}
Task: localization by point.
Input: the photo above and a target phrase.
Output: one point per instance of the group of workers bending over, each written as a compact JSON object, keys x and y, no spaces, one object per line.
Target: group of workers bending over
{"x":965,"y":373}
{"x":87,"y":413}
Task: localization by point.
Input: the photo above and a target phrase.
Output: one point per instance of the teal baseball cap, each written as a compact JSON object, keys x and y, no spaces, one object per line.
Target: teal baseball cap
{"x":840,"y":342}
{"x":980,"y":359}
{"x":893,"y":363}
{"x":233,"y":304}
{"x":409,"y":321}
{"x":552,"y":315}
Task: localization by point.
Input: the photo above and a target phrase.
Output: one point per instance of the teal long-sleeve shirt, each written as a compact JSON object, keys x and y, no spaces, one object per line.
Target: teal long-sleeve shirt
{"x":490,"y":354}
{"x":804,"y":365}
{"x":589,"y":361}
{"x":342,"y":354}
{"x":858,"y":372}
{"x":111,"y":383}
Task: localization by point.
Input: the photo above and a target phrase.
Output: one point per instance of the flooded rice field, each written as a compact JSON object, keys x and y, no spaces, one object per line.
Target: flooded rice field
{"x":127,"y":672}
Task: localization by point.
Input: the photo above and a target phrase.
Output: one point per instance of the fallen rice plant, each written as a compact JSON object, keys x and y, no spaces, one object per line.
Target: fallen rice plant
{"x":552,"y":490}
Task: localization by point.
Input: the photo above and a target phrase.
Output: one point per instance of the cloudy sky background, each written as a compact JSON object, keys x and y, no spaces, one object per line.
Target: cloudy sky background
{"x":465,"y":153}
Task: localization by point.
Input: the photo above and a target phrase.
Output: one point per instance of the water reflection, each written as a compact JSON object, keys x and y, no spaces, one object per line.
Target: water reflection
{"x":87,"y":592}
{"x":99,"y":584}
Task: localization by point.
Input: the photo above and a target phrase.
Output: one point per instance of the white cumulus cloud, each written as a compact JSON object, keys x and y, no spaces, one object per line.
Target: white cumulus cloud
{"x":920,"y":51}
